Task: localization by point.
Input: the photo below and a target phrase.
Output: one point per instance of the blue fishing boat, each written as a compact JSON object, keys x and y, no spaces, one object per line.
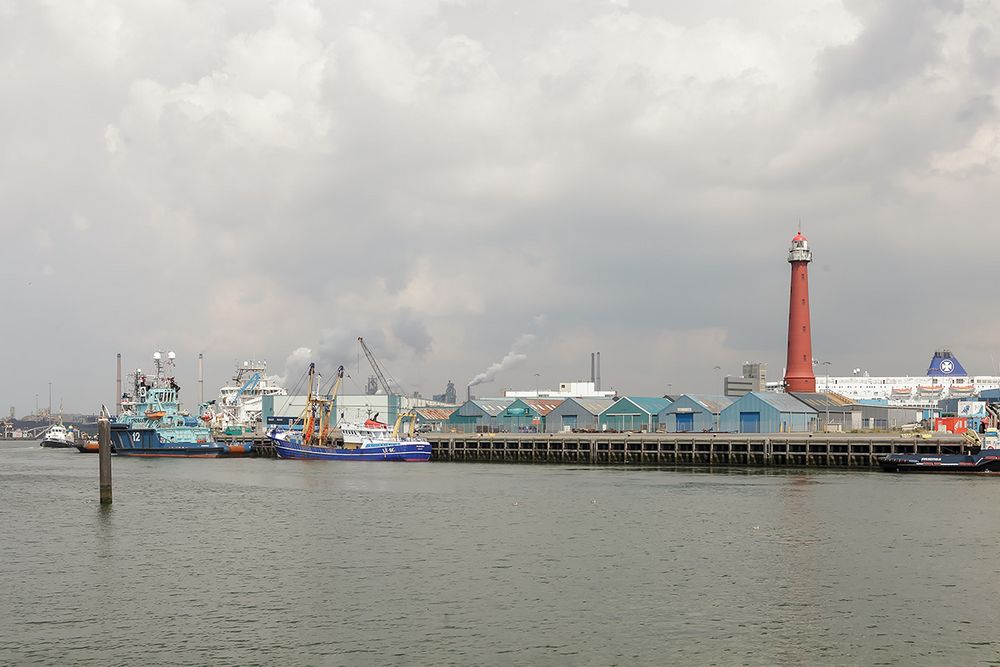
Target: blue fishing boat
{"x":310,"y":436}
{"x":152,"y":423}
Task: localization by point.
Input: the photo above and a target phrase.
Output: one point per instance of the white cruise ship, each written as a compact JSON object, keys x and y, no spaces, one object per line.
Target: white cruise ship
{"x":946,"y":378}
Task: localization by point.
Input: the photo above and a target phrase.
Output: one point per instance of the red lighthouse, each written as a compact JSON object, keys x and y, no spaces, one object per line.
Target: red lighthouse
{"x":798,"y":369}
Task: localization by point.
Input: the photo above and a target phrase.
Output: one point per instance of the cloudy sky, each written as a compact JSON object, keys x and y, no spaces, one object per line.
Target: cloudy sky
{"x":454,"y":179}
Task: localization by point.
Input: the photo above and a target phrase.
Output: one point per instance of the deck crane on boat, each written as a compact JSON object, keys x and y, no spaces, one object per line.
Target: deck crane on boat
{"x":247,"y":386}
{"x":375,"y":366}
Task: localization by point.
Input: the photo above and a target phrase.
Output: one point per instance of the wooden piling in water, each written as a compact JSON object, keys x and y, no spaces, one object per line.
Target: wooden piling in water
{"x":104,"y":457}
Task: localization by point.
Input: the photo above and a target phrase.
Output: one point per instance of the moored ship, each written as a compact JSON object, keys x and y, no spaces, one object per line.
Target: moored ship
{"x":152,"y":423}
{"x":981,"y":454}
{"x":946,"y":377}
{"x":310,"y":437}
{"x":238,"y":408}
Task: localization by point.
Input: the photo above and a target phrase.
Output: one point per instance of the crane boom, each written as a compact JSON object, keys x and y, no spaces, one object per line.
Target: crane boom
{"x":375,"y":367}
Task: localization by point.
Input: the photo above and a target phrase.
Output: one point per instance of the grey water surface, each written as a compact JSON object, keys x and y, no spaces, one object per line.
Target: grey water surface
{"x":265,"y":562}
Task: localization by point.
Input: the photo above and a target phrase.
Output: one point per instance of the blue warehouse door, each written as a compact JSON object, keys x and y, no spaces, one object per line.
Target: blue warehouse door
{"x":749,"y":422}
{"x":569,"y":422}
{"x":685,"y":422}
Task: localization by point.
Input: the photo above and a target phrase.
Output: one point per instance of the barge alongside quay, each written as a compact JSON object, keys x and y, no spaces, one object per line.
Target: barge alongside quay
{"x":983,"y":456}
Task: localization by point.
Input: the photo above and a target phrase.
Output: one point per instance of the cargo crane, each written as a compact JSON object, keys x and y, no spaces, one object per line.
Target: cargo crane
{"x":379,"y":374}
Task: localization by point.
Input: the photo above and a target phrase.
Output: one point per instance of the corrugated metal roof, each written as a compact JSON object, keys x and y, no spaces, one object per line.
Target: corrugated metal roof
{"x":435,"y":414}
{"x":712,"y":402}
{"x":543,"y":406}
{"x":824,"y":402}
{"x":782,"y":402}
{"x":493,"y":406}
{"x":650,"y":404}
{"x":594,"y":406}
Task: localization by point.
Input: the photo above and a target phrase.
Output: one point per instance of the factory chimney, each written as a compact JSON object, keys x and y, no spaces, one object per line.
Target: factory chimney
{"x":593,"y":378}
{"x":118,"y":386}
{"x":201,"y":378}
{"x":597,"y":376}
{"x":798,"y":368}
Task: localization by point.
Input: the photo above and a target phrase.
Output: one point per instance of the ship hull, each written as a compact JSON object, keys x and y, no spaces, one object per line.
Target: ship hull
{"x":146,"y":443}
{"x":403,"y":452}
{"x":91,"y":447}
{"x":58,"y":444}
{"x":986,"y":461}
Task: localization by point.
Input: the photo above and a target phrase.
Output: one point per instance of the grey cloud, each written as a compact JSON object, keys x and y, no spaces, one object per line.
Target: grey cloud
{"x":411,"y":331}
{"x":900,"y":39}
{"x":427,"y":173}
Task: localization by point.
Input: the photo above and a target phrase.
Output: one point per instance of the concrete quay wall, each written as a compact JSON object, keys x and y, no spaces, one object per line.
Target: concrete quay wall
{"x":862,"y":450}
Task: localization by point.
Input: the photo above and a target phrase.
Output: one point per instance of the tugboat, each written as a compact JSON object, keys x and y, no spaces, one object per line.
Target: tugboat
{"x":314,"y":439}
{"x":983,"y":457}
{"x":152,"y":423}
{"x":59,"y":437}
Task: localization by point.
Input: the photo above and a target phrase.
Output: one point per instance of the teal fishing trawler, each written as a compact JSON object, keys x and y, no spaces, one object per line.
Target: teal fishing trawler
{"x":152,"y":423}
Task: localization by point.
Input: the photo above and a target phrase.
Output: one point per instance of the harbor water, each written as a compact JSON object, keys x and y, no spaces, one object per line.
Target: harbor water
{"x":270,"y":562}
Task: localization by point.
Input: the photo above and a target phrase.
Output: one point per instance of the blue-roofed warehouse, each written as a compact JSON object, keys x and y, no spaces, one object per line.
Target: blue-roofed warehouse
{"x":480,"y":415}
{"x":694,"y":413}
{"x":767,"y":412}
{"x":633,"y":413}
{"x":576,"y":414}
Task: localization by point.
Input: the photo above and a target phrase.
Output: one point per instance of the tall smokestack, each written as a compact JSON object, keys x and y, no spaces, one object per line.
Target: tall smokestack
{"x":597,"y":378}
{"x":798,"y":367}
{"x":593,"y":377}
{"x":118,"y":386}
{"x":201,"y":378}
{"x":468,"y":393}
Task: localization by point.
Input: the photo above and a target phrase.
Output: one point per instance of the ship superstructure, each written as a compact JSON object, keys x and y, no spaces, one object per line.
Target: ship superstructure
{"x":240,"y":402}
{"x":945,"y":378}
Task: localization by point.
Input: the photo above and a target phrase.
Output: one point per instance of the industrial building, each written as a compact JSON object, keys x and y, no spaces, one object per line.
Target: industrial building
{"x":527,"y":415}
{"x":565,"y":390}
{"x":433,"y":419}
{"x":754,"y":378}
{"x":577,"y":414}
{"x":766,"y":412}
{"x":834,"y":412}
{"x":478,"y":415}
{"x":887,"y":417}
{"x":694,"y":413}
{"x":633,"y":413}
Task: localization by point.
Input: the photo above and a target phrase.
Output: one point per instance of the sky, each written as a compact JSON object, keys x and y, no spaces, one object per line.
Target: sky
{"x":461,"y":181}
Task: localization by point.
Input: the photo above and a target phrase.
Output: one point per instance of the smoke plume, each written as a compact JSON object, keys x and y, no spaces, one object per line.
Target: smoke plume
{"x":514,"y":357}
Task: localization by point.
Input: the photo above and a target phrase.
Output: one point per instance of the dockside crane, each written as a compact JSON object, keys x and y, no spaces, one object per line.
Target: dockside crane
{"x":375,"y":366}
